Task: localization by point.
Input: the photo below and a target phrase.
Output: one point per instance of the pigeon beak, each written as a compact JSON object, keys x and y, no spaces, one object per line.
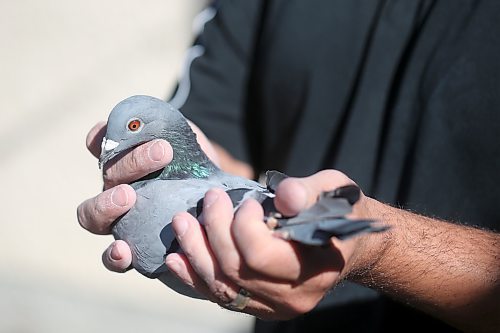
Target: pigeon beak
{"x":108,"y":151}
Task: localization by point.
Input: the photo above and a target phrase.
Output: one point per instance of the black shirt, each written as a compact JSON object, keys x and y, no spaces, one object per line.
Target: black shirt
{"x":402,"y":96}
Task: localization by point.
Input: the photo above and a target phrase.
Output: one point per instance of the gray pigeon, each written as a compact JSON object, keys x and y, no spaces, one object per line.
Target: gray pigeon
{"x":182,"y":184}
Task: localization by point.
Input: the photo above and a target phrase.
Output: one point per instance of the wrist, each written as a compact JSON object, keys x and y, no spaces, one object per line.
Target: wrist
{"x":371,"y":248}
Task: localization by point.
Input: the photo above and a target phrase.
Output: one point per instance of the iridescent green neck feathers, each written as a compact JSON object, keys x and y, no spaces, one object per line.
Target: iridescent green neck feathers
{"x":189,"y":161}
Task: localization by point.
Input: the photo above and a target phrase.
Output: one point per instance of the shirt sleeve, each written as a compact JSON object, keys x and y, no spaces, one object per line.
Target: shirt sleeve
{"x":212,"y":90}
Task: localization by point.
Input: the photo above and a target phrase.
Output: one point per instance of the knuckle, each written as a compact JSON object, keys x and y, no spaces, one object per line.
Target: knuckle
{"x":136,"y":160}
{"x":256,"y":262}
{"x":220,"y":290}
{"x":184,"y":216}
{"x":332,"y":178}
{"x":299,"y":305}
{"x":97,"y":215}
{"x":80,"y":215}
{"x":94,"y":138}
{"x":324,"y":283}
{"x":130,"y":166}
{"x":330,"y":173}
{"x":88,"y":221}
{"x":101,"y":205}
{"x":230,"y":270}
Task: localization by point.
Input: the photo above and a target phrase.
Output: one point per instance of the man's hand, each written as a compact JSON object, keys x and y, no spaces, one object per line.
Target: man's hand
{"x":97,"y":214}
{"x":230,"y":252}
{"x":421,"y":261}
{"x":449,"y":271}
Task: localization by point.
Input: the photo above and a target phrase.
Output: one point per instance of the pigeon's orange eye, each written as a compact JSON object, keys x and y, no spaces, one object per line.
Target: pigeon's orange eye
{"x":134,"y":125}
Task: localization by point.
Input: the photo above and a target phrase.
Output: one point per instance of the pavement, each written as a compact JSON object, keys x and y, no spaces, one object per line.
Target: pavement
{"x":63,"y":66}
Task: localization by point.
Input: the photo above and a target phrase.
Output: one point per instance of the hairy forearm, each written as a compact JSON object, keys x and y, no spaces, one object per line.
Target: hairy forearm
{"x":449,"y":271}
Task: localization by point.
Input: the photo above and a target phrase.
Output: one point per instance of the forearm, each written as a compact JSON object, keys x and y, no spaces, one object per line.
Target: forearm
{"x":231,"y":165}
{"x":220,"y":156}
{"x":449,"y":271}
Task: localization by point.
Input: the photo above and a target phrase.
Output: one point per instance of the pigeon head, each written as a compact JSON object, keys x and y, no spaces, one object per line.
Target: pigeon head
{"x":139,"y":119}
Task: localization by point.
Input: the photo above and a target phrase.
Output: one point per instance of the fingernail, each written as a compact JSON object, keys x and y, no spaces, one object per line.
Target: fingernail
{"x":210,"y":198}
{"x":119,"y":197}
{"x":180,"y":226}
{"x":115,"y":253}
{"x":173,"y":266}
{"x":156,"y":152}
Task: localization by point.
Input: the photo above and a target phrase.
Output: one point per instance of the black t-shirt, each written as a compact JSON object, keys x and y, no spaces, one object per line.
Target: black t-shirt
{"x":402,"y":96}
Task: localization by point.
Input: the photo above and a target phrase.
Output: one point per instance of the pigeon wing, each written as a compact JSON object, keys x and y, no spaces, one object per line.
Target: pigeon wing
{"x":318,"y":233}
{"x":273,"y":178}
{"x":326,"y":219}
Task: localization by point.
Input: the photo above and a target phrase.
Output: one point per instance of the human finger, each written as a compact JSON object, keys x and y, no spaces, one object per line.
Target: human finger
{"x":117,"y":257}
{"x":200,"y":268}
{"x":137,"y":163}
{"x":94,"y":138}
{"x":270,"y":297}
{"x":180,"y":266}
{"x":97,"y":214}
{"x":195,"y":246}
{"x":261,"y":251}
{"x":222,"y":279}
{"x":217,"y":218}
{"x":296,"y":194}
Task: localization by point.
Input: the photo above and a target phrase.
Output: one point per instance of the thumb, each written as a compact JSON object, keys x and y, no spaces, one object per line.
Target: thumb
{"x":296,"y":194}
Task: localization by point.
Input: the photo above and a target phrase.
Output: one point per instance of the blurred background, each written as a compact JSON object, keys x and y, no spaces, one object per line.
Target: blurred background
{"x":63,"y":66}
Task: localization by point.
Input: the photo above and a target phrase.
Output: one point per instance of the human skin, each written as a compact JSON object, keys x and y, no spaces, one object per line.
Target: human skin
{"x":449,"y":271}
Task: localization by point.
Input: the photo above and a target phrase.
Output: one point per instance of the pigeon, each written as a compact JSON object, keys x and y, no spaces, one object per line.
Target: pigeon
{"x":182,"y":184}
